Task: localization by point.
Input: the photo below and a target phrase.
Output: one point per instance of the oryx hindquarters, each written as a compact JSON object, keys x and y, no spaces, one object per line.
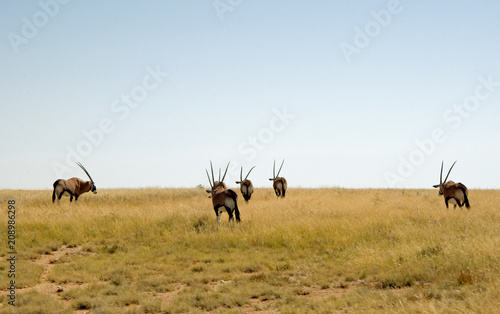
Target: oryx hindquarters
{"x":226,"y":201}
{"x":280,"y":186}
{"x":246,"y":186}
{"x":454,"y":193}
{"x":246,"y":190}
{"x":279,"y":183}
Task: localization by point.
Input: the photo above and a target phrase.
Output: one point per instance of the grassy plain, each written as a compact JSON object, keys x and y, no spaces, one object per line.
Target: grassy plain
{"x":317,"y":250}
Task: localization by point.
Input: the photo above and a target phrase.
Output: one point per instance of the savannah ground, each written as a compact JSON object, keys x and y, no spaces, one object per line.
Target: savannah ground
{"x":317,"y":250}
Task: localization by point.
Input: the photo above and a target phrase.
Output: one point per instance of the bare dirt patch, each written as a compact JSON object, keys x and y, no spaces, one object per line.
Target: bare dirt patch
{"x":48,"y":262}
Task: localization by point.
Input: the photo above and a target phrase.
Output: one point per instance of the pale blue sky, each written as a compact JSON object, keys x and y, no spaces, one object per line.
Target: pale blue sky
{"x":343,"y":90}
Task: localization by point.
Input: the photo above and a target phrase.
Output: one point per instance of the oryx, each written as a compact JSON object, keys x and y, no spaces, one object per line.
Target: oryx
{"x":455,"y":193}
{"x":73,"y":187}
{"x":223,"y":199}
{"x":279,"y":183}
{"x":246,"y":186}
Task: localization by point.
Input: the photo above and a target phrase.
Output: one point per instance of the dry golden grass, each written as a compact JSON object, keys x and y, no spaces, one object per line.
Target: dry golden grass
{"x":318,"y":250}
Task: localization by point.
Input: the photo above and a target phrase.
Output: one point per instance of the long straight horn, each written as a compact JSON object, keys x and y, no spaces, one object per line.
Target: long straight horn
{"x":211,"y":186}
{"x":449,"y":171}
{"x":274,"y":166}
{"x":225,"y":172}
{"x":280,"y":168}
{"x":212,"y":169}
{"x":441,"y":175}
{"x":248,"y":171}
{"x":219,"y":175}
{"x":241,"y":174}
{"x":83,"y":168}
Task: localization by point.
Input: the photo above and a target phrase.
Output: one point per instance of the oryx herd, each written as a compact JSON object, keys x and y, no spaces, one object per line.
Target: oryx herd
{"x":224,"y":199}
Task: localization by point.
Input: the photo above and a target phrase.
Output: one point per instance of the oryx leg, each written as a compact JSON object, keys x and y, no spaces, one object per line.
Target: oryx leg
{"x":59,"y":197}
{"x":278,"y":189}
{"x":218,"y":213}
{"x":231,"y":217}
{"x":453,"y":201}
{"x":58,"y":193}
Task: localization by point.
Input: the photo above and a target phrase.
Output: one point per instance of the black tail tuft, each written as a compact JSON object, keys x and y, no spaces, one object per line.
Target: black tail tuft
{"x":54,"y":192}
{"x":466,"y":201}
{"x":464,"y":191}
{"x":236,"y":211}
